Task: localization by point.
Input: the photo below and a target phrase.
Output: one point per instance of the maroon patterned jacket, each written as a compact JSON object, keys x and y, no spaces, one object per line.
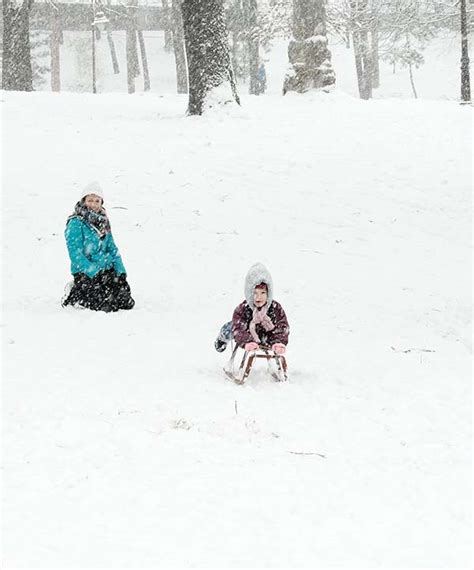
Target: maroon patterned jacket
{"x":242,"y":317}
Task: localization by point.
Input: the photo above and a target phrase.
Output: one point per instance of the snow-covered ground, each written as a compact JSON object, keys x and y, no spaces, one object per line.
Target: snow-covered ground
{"x":123,"y":445}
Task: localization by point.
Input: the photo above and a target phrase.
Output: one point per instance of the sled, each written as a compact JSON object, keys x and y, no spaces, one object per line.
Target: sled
{"x":276,"y":364}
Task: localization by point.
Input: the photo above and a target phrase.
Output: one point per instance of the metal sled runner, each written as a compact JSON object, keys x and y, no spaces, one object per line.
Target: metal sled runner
{"x":278,"y":361}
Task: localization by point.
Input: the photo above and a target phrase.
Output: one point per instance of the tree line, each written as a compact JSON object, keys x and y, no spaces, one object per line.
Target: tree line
{"x":216,"y":40}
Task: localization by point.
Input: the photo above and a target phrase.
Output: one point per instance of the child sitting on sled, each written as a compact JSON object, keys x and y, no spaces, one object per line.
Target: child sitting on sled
{"x":259,"y":320}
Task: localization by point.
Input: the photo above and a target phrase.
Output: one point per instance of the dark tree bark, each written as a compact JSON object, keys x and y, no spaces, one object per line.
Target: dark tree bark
{"x":113,"y":53}
{"x":465,"y":75}
{"x":358,"y":63}
{"x":308,"y":53}
{"x":251,"y":30}
{"x":374,"y":48}
{"x":410,"y":69}
{"x":146,"y":73}
{"x":235,"y":19}
{"x":366,"y":60}
{"x":178,"y":46}
{"x":168,"y":26}
{"x":360,"y":38}
{"x":55,"y":52}
{"x":133,"y":69}
{"x":130,"y":48}
{"x":17,"y":74}
{"x":207,"y":51}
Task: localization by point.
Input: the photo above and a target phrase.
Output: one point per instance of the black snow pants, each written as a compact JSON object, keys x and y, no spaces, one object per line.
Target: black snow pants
{"x":107,"y":292}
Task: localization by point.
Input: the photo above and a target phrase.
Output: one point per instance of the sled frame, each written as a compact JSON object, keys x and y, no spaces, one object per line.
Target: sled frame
{"x":248,"y":358}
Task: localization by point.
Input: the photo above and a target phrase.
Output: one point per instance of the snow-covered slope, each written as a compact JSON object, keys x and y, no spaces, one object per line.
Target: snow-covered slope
{"x":123,"y":443}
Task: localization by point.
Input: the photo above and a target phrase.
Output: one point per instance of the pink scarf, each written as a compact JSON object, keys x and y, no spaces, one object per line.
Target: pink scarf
{"x":260,"y":317}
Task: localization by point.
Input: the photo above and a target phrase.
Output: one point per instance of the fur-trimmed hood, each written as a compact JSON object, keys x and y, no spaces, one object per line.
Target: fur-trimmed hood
{"x":257,"y":274}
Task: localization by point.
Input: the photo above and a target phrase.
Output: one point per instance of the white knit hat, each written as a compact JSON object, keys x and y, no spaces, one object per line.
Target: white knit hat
{"x":92,"y":188}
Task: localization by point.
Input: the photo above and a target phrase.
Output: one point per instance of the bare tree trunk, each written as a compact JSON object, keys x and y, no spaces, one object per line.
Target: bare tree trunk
{"x":113,"y":53}
{"x":366,"y":63}
{"x":133,"y":69}
{"x":146,"y":74}
{"x":207,"y":51}
{"x":375,"y":57}
{"x":324,"y":75}
{"x":373,"y":24}
{"x":412,"y":81}
{"x":410,"y":70}
{"x":17,"y":74}
{"x":130,"y":43}
{"x":234,"y":52}
{"x":300,"y":78}
{"x":308,"y":53}
{"x":94,"y":76}
{"x":168,"y":26}
{"x":178,"y":45}
{"x":55,"y":53}
{"x":358,"y":63}
{"x":250,"y":15}
{"x":135,"y":58}
{"x":361,"y":48}
{"x":235,"y":18}
{"x":465,"y":74}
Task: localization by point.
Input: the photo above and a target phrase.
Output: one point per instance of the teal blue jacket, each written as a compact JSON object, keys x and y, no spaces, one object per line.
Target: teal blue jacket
{"x":89,"y":253}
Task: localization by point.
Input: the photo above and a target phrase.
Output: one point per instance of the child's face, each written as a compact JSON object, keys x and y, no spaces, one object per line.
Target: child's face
{"x":93,"y":202}
{"x":259,"y":297}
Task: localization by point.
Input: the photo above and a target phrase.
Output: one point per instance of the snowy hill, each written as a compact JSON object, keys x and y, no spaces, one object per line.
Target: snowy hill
{"x":123,"y":443}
